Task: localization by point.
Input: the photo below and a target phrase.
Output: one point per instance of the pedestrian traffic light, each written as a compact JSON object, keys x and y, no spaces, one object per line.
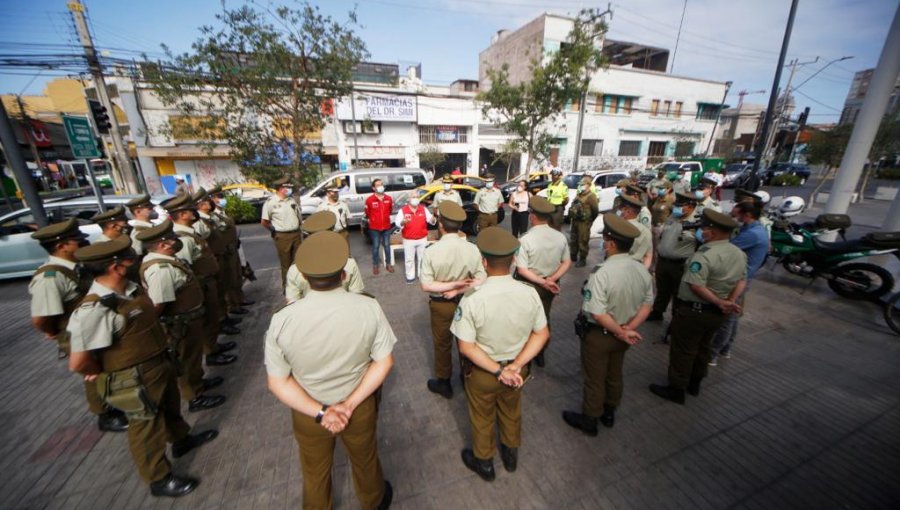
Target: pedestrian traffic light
{"x":100,"y":116}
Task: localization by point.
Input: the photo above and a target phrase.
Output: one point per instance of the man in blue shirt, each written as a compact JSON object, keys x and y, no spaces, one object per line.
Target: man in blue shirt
{"x":753,"y":240}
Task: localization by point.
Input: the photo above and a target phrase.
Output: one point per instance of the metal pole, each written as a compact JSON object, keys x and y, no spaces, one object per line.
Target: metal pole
{"x":678,"y":38}
{"x":5,"y":194}
{"x":770,"y":111}
{"x":866,"y":127}
{"x":26,"y":126}
{"x":353,"y":116}
{"x":20,"y":169}
{"x":124,"y":163}
{"x":583,"y":106}
{"x":716,"y":124}
{"x":94,"y":185}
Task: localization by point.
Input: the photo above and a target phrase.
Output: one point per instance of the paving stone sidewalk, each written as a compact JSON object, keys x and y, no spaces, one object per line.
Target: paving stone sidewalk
{"x":805,"y":415}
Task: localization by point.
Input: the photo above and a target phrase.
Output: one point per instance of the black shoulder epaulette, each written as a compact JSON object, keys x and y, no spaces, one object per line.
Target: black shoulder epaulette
{"x":364,"y":293}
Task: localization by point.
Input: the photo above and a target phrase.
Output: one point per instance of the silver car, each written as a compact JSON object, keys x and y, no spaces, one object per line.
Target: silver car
{"x":20,"y":255}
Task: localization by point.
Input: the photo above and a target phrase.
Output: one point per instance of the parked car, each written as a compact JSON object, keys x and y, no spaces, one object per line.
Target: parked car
{"x":604,"y":181}
{"x":254,"y":194}
{"x":736,"y":175}
{"x":468,"y":180}
{"x":797,"y":169}
{"x":535,"y":182}
{"x":20,"y":255}
{"x":356,"y":187}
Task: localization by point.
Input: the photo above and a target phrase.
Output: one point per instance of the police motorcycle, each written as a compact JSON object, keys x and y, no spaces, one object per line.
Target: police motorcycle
{"x":799,"y":249}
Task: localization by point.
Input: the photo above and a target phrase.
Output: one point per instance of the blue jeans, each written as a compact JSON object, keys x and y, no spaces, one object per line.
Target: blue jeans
{"x":379,"y":238}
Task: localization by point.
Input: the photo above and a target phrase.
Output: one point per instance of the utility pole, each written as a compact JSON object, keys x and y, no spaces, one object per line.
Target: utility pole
{"x":20,"y":169}
{"x":718,"y":116}
{"x":678,"y":38}
{"x":123,"y":162}
{"x":583,"y":106}
{"x":770,"y":111}
{"x":783,"y":106}
{"x":866,"y":127}
{"x":355,"y":134}
{"x":26,"y":127}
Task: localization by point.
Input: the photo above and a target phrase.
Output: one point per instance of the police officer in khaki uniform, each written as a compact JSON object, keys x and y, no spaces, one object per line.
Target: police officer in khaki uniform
{"x":644,"y":215}
{"x":583,"y":211}
{"x":297,"y":287}
{"x":117,"y":341}
{"x":658,"y":182}
{"x":642,"y":247}
{"x":676,"y":245}
{"x":447,"y":193}
{"x":543,"y":258}
{"x":234,"y":269}
{"x":450,"y":267}
{"x":212,"y":230}
{"x":501,"y":328}
{"x":705,"y":192}
{"x":56,"y":289}
{"x":617,"y":299}
{"x":178,"y":297}
{"x":338,"y":207}
{"x":203,"y":263}
{"x":327,"y":369}
{"x":488,"y":200}
{"x":113,"y":224}
{"x":281,"y":216}
{"x":143,"y":214}
{"x":715,"y":277}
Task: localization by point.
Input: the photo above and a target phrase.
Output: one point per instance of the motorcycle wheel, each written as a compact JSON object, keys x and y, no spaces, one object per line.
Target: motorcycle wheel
{"x":892,"y":312}
{"x":861,"y":281}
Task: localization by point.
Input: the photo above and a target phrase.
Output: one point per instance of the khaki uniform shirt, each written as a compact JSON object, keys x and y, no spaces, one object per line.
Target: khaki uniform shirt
{"x":284,"y":213}
{"x":326,"y":350}
{"x":450,"y":259}
{"x":296,"y":286}
{"x":718,"y":266}
{"x":93,"y":325}
{"x":642,"y":243}
{"x":682,"y":186}
{"x":50,"y":289}
{"x":654,"y":184}
{"x":340,"y":210}
{"x":200,"y":226}
{"x":542,"y":250}
{"x":191,"y":251}
{"x":451,"y":195}
{"x":499,"y":317}
{"x":618,"y":287}
{"x":708,"y":202}
{"x":675,"y":242}
{"x":488,"y":200}
{"x":163,"y":281}
{"x":136,"y":227}
{"x":644,"y":217}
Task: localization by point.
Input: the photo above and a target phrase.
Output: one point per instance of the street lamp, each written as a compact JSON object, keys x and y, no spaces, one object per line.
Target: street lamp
{"x":820,"y":70}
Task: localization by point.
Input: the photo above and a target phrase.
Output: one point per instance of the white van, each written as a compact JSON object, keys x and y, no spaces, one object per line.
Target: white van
{"x":356,"y":186}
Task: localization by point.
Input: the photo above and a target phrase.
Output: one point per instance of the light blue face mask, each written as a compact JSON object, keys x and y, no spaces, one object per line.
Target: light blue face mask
{"x":618,"y":191}
{"x":677,"y":211}
{"x":289,"y":192}
{"x":222,"y":202}
{"x":661,"y":192}
{"x":699,"y":235}
{"x":699,"y":195}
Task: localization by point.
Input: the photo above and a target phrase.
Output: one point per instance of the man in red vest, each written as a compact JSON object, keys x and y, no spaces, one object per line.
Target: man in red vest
{"x":378,"y":211}
{"x":413,"y":222}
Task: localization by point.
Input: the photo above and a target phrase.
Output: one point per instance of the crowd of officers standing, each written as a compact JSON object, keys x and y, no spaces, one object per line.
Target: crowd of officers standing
{"x":491,"y":298}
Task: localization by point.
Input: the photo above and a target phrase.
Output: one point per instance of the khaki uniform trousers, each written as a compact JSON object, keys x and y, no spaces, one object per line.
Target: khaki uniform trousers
{"x":222,"y":286}
{"x":690,"y":350}
{"x":558,"y":217}
{"x":441,"y":338}
{"x":233,"y":278}
{"x":491,"y":402}
{"x":602,"y":358}
{"x":317,"y":456}
{"x":190,"y":355}
{"x":95,"y":403}
{"x":147,"y":438}
{"x":212,"y":318}
{"x":486,"y":220}
{"x":668,"y":278}
{"x":579,"y":239}
{"x":286,"y":244}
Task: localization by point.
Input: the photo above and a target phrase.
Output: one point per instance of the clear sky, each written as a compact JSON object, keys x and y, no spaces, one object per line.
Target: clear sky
{"x":735,"y":40}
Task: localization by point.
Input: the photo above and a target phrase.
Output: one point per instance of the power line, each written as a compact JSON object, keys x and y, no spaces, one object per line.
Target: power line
{"x":817,"y":101}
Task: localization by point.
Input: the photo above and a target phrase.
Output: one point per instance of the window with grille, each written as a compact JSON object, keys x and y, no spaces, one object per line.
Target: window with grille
{"x":630,"y":148}
{"x":591,"y":147}
{"x":443,"y":134}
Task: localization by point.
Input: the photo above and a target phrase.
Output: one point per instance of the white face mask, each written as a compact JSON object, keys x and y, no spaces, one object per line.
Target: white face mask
{"x":414,"y":202}
{"x":288,"y":192}
{"x":447,"y":187}
{"x":379,"y":189}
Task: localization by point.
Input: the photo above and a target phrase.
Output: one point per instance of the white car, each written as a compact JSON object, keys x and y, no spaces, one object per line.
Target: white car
{"x":604,"y":181}
{"x":20,"y":255}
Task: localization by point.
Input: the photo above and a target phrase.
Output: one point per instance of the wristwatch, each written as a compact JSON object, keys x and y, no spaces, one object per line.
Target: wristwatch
{"x":321,"y":413}
{"x":499,"y":371}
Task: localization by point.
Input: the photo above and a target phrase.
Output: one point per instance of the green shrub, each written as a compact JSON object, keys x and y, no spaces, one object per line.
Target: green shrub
{"x":786,"y":180}
{"x":240,"y":211}
{"x":888,"y":173}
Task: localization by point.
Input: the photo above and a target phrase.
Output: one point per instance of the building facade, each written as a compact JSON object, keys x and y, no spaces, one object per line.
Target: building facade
{"x":857,"y":94}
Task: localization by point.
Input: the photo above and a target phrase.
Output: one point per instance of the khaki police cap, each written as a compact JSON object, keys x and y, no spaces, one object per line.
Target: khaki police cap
{"x":57,"y":231}
{"x":141,"y":201}
{"x":632,"y":201}
{"x":632,"y":188}
{"x":156,"y":233}
{"x":451,"y":211}
{"x":447,"y":178}
{"x":322,"y":254}
{"x":742,"y":195}
{"x":200,"y":194}
{"x":623,"y":182}
{"x":681,"y":198}
{"x":496,"y":242}
{"x":320,"y":221}
{"x":115,"y":214}
{"x":283,"y":182}
{"x":718,"y":220}
{"x":619,"y":228}
{"x":541,"y":205}
{"x":215,"y":190}
{"x":179,"y":203}
{"x":106,"y":250}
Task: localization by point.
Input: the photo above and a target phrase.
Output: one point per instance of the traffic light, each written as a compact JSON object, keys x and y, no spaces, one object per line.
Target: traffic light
{"x":803,"y":117}
{"x":100,"y":116}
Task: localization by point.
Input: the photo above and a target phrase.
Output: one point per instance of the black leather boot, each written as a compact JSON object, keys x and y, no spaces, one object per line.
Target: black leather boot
{"x":182,"y":447}
{"x":219,"y":359}
{"x":582,"y":422}
{"x":482,"y":468}
{"x":441,"y":386}
{"x":173,"y":486}
{"x":608,"y":418}
{"x":388,"y":496}
{"x":510,"y":457}
{"x":694,"y":387}
{"x":668,"y":392}
{"x":204,"y":402}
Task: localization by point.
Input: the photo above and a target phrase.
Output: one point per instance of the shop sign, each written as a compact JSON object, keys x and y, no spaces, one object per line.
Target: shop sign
{"x":379,"y":107}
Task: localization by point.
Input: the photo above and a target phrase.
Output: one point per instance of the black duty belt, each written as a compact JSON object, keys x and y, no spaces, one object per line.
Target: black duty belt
{"x":694,"y":306}
{"x":442,"y":299}
{"x":599,"y":328}
{"x":674,"y":261}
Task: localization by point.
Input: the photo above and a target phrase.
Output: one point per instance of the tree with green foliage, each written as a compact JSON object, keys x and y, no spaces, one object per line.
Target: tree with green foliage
{"x":431,"y":156}
{"x":262,"y":82}
{"x":527,"y":110}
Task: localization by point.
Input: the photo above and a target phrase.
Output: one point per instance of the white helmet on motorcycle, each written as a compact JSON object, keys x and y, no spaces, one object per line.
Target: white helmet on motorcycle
{"x":764,"y":197}
{"x":791,"y":206}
